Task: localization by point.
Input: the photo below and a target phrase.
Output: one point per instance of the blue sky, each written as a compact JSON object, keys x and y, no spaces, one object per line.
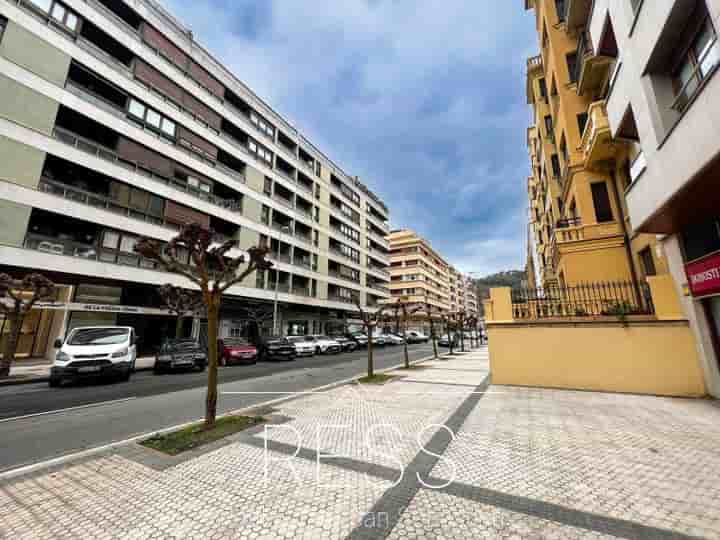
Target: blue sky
{"x":424,"y":100}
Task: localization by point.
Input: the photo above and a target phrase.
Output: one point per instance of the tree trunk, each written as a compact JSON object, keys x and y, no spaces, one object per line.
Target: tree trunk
{"x":434,"y":339}
{"x":213,"y":310}
{"x":451,"y":340}
{"x":15,"y":322}
{"x":178,"y":326}
{"x":407,"y":357}
{"x":462,"y":340}
{"x":371,"y":367}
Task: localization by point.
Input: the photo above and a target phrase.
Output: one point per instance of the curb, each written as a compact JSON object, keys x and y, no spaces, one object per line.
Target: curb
{"x":60,"y":460}
{"x":42,"y":379}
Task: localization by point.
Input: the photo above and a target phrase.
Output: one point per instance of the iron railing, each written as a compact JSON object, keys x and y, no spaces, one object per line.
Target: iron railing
{"x":612,"y":298}
{"x":567,"y":223}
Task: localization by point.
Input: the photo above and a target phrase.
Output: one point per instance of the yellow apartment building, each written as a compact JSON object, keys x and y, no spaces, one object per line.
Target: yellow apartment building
{"x":579,"y":173}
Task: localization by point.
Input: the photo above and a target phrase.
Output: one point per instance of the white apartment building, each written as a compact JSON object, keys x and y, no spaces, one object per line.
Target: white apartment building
{"x":116,"y":123}
{"x":664,"y":101}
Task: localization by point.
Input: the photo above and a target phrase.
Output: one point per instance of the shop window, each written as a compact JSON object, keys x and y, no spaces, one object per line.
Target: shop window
{"x":3,"y":24}
{"x":267,"y":187}
{"x":701,"y":239}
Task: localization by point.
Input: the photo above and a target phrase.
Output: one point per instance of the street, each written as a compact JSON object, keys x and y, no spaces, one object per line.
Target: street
{"x":108,"y":412}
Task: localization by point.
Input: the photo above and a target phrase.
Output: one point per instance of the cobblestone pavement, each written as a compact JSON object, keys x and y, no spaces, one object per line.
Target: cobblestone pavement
{"x":509,"y":463}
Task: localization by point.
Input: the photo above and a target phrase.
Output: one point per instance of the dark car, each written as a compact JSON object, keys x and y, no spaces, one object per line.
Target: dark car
{"x":180,"y":354}
{"x":359,"y":338}
{"x":346,"y":344}
{"x":276,"y":348}
{"x":236,"y":351}
{"x":444,"y":341}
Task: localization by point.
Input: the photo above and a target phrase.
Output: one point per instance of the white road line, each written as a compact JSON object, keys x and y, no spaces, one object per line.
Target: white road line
{"x":60,"y":411}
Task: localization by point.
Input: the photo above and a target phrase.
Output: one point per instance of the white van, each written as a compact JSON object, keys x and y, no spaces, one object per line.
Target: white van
{"x":95,"y":351}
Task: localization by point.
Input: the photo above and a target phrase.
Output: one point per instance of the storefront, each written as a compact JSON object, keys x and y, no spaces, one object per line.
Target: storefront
{"x":703,"y":276}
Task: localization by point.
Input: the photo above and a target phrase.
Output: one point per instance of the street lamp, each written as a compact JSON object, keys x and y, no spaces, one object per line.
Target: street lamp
{"x":276,"y":332}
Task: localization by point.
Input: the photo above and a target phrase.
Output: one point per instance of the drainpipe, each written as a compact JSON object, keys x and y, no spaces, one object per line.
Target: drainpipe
{"x":626,"y":236}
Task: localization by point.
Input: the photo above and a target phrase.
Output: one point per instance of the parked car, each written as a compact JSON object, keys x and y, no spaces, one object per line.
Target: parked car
{"x":98,"y":351}
{"x":235,"y":350}
{"x":180,"y":354}
{"x":303,"y":347}
{"x":417,"y":337}
{"x":394,"y":339}
{"x":276,"y":348}
{"x":378,"y":339}
{"x":346,"y":344}
{"x":444,"y":340}
{"x":325,"y":345}
{"x":360,"y":338}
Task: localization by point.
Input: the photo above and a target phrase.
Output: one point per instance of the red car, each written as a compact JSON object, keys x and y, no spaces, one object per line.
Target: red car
{"x":236,"y":351}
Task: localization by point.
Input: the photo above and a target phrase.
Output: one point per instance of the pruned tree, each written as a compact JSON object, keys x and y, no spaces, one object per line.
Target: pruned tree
{"x":370,"y":321}
{"x":180,"y":302}
{"x":402,"y":310}
{"x":429,"y":312}
{"x":448,"y":320}
{"x":472,"y":325}
{"x":259,"y":314}
{"x":17,"y":298}
{"x":192,"y":255}
{"x":461,"y":322}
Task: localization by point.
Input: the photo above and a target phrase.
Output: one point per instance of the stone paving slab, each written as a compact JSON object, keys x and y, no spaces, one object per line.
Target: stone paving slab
{"x":521,"y":463}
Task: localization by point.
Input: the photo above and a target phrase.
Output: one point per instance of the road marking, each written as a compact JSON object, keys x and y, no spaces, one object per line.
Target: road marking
{"x":60,"y":411}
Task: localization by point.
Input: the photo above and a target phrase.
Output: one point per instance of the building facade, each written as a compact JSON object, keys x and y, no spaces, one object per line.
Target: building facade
{"x":664,"y":104}
{"x":116,"y":123}
{"x":420,"y":275}
{"x":579,"y":173}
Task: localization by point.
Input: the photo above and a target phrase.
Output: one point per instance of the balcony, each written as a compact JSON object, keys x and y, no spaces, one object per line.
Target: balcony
{"x":573,"y":232}
{"x":107,"y":154}
{"x":592,"y":69}
{"x":596,"y":143}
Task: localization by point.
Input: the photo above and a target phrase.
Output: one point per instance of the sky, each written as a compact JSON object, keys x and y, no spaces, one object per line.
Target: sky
{"x":424,"y":100}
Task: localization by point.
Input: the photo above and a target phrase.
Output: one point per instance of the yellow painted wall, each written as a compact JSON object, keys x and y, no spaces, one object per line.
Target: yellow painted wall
{"x":645,"y":358}
{"x":595,"y":264}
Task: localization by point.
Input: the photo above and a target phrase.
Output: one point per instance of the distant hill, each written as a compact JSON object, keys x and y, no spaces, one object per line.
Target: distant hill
{"x":507,"y":278}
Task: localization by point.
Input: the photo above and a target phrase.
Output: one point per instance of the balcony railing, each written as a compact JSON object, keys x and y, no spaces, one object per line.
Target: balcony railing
{"x":534,"y":62}
{"x":307,"y":237}
{"x":282,"y":227}
{"x":570,"y":222}
{"x":280,"y":257}
{"x":107,"y":154}
{"x":597,"y":121}
{"x":283,"y":200}
{"x":302,"y":291}
{"x":303,"y":262}
{"x":337,"y":274}
{"x":339,"y":298}
{"x":281,"y":287}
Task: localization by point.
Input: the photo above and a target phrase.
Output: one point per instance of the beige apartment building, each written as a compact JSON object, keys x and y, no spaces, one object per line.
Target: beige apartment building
{"x":116,"y":123}
{"x":420,"y":274}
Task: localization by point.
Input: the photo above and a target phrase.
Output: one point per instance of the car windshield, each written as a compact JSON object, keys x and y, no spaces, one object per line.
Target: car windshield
{"x":180,"y":345}
{"x":321,"y":337}
{"x":297,"y":339}
{"x":276,"y":340}
{"x":99,"y":336}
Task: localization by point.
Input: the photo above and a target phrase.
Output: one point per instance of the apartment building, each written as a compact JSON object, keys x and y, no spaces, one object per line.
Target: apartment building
{"x":579,"y":172}
{"x":663,"y":106}
{"x":463,"y":294}
{"x":116,"y":123}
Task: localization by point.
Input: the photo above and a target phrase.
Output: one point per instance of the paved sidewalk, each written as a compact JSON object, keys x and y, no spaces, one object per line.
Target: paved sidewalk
{"x":523,"y":463}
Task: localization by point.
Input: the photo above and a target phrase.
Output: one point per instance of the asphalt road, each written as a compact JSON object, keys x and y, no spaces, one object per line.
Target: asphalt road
{"x":39,"y":423}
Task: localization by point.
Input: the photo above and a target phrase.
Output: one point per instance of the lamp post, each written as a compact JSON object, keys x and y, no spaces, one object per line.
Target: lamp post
{"x":276,"y":332}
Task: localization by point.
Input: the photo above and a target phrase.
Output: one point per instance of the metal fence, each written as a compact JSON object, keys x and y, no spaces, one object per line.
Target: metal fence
{"x":617,"y":298}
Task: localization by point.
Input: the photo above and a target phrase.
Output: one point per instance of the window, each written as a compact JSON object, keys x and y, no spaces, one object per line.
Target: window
{"x":560,"y":9}
{"x":555,"y":162}
{"x":700,"y":239}
{"x":197,"y":184}
{"x":267,"y":189}
{"x":262,"y":125}
{"x":543,"y":89}
{"x":261,"y":152}
{"x":316,"y":237}
{"x":317,"y":214}
{"x":648,"y":263}
{"x":265,"y":214}
{"x":563,"y":149}
{"x":572,"y":65}
{"x":696,"y":64}
{"x":636,"y":4}
{"x":582,"y":119}
{"x":127,"y":243}
{"x":3,"y":24}
{"x":318,"y":168}
{"x":601,"y":202}
{"x":61,"y":14}
{"x":151,"y":118}
{"x":110,"y":239}
{"x":549,"y":126}
{"x":317,"y":191}
{"x":42,"y":4}
{"x":545,"y":37}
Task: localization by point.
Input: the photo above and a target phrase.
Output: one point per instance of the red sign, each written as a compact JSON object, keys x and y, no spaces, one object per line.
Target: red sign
{"x":704,"y":275}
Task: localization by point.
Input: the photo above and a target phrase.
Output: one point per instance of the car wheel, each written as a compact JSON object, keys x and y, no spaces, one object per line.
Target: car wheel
{"x":317,"y":350}
{"x":201,"y":367}
{"x":54,"y":382}
{"x":126,"y":376}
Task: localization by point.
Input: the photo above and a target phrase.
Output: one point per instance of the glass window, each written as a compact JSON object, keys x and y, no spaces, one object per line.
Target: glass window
{"x":110,"y":239}
{"x":168,"y":127}
{"x":706,"y":49}
{"x":71,"y":21}
{"x":137,"y":108}
{"x":153,"y":118}
{"x":128,"y":243}
{"x":193,"y":182}
{"x":42,"y":4}
{"x":204,"y":187}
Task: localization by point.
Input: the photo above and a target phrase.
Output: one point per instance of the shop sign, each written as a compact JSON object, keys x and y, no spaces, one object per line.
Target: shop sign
{"x":100,"y":308}
{"x":704,"y":275}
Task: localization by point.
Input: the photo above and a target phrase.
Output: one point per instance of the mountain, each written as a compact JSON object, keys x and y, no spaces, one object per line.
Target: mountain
{"x":507,"y":278}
